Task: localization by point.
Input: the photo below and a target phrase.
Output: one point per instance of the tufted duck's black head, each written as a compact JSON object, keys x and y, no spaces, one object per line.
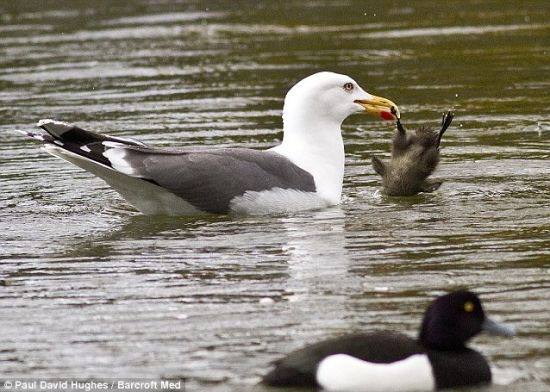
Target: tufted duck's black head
{"x":452,"y":319}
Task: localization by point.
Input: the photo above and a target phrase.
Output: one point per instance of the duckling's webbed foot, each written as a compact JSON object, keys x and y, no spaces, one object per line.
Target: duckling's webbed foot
{"x":400,"y":128}
{"x":401,"y":139}
{"x":445,"y":123}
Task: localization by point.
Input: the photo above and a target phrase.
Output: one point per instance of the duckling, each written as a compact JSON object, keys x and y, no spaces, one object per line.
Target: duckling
{"x":390,"y":361}
{"x":414,"y":158}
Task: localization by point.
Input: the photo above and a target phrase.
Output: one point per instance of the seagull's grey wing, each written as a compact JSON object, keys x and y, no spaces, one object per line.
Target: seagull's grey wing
{"x":210,"y":179}
{"x":207,"y":179}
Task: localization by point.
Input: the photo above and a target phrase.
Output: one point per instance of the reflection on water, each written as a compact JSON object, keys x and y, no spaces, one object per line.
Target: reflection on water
{"x":92,"y":289}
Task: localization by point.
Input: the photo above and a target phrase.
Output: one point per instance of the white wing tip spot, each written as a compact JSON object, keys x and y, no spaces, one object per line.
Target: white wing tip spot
{"x":46,"y":121}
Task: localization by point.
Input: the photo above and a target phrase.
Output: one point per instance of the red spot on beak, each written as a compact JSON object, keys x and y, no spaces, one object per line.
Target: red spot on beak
{"x":386,"y":116}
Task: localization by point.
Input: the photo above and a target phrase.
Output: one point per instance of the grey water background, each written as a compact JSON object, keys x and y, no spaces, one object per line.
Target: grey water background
{"x":91,"y":289}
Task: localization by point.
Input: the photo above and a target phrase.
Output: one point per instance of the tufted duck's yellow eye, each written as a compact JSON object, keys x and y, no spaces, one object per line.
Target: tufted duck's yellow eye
{"x":469,"y":307}
{"x":348,"y":86}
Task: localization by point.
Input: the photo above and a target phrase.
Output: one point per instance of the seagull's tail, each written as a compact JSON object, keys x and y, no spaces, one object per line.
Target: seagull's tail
{"x":62,"y":139}
{"x":104,"y":156}
{"x":88,"y":150}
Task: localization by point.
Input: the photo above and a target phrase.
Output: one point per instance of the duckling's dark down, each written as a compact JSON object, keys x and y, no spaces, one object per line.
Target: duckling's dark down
{"x":414,"y":158}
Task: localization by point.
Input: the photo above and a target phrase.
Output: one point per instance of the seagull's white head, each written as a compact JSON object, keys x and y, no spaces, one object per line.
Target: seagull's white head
{"x":329,"y":98}
{"x":313,"y":114}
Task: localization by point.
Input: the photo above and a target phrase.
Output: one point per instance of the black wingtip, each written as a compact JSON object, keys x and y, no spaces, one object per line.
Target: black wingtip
{"x":54,"y":128}
{"x":44,"y":138}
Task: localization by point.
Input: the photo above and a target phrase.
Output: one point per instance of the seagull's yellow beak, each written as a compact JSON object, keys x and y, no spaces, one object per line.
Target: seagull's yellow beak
{"x":379,"y":106}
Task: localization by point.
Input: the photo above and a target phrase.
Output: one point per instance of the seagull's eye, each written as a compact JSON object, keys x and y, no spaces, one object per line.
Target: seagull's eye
{"x":348,"y":86}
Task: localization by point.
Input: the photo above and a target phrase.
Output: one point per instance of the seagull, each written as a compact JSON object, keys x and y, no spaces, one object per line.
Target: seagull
{"x":304,"y":172}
